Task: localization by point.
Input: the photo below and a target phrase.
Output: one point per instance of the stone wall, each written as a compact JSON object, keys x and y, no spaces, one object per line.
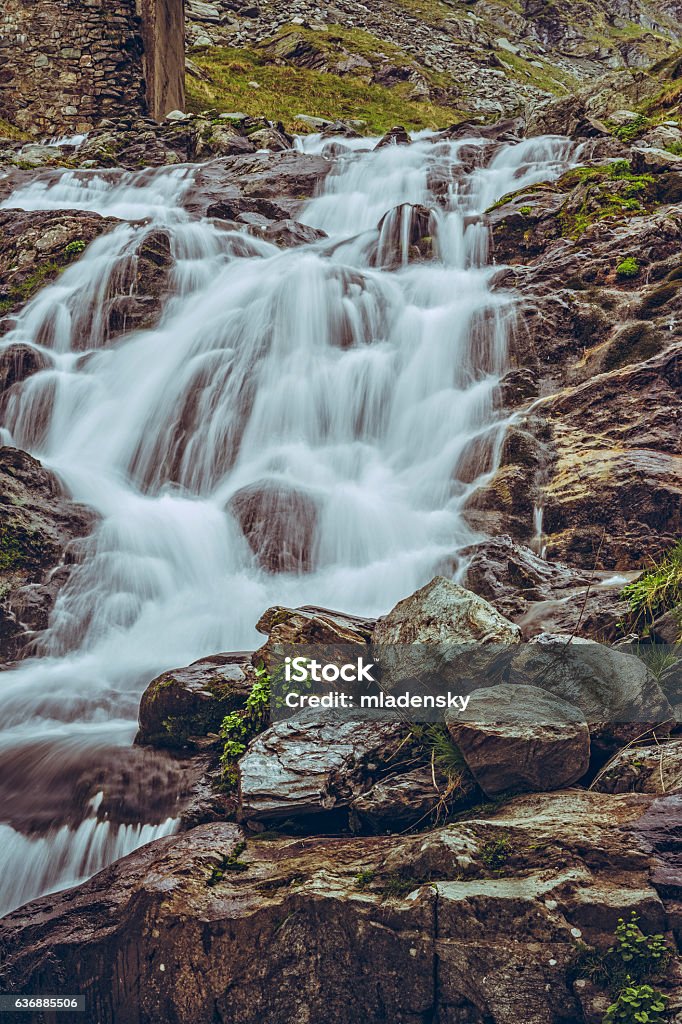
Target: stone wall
{"x":66,"y":64}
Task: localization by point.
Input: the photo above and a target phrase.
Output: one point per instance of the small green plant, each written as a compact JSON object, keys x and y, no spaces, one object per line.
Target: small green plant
{"x":643,"y":956}
{"x":228,"y":863}
{"x":75,"y":247}
{"x":525,"y":211}
{"x":625,"y":970}
{"x":495,"y":853}
{"x":364,"y":878}
{"x":637,"y":1004}
{"x":240,"y":727}
{"x":657,"y":590}
{"x":627,"y":268}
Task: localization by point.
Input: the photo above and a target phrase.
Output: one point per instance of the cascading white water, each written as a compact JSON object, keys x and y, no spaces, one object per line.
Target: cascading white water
{"x":349,"y":381}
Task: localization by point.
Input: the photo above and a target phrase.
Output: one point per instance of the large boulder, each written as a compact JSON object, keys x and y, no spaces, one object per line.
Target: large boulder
{"x":442,"y":635}
{"x":444,"y":613}
{"x":405,"y":233}
{"x":39,"y":531}
{"x":414,"y":799}
{"x":309,"y":627}
{"x":311,"y":765}
{"x":139,"y":288}
{"x":182,"y":707}
{"x":37,"y":245}
{"x":280,"y":524}
{"x":520,"y":738}
{"x":210,"y":925}
{"x":273,"y":184}
{"x":17,"y":364}
{"x":614,"y":689}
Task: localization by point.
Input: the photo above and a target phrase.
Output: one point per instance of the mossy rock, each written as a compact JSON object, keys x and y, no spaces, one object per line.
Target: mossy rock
{"x":179,"y":709}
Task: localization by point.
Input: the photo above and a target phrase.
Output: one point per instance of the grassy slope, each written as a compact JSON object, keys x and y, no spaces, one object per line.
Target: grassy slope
{"x":286,"y":91}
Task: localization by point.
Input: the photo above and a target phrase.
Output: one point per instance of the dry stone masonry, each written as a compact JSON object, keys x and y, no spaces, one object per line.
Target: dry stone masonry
{"x":67,"y":64}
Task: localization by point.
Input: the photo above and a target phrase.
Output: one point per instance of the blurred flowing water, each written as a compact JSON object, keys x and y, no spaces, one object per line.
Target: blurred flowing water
{"x":346,"y":380}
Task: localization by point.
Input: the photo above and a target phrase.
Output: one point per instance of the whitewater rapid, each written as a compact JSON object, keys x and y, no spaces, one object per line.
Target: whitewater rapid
{"x":344,"y":372}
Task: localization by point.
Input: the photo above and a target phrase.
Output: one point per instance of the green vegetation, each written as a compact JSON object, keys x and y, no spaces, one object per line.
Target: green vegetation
{"x":637,"y":1004}
{"x":625,"y":970}
{"x":658,"y":590}
{"x":286,"y":90}
{"x":627,"y":268}
{"x":12,"y":555}
{"x":632,"y":129}
{"x":398,"y":885}
{"x":548,"y":77}
{"x":364,"y":878}
{"x":609,"y":191}
{"x":495,"y":853}
{"x":8,"y":131}
{"x":643,"y":956}
{"x":228,"y":864}
{"x":240,"y":727}
{"x":75,"y":248}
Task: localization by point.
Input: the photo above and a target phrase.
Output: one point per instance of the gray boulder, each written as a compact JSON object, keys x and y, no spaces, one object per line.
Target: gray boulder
{"x":443,"y":635}
{"x":607,"y":684}
{"x":520,"y":738}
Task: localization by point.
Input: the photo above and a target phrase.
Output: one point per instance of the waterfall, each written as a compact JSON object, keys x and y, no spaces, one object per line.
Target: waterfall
{"x":344,"y":390}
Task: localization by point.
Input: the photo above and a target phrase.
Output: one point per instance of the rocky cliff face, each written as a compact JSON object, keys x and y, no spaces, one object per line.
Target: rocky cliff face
{"x":490,"y":55}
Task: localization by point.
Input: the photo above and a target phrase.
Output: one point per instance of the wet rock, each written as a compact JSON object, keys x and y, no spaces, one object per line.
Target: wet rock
{"x":667,"y":628}
{"x":309,"y":626}
{"x":312,"y":765}
{"x":38,"y":529}
{"x":379,"y":912}
{"x":518,"y":386}
{"x":223,"y":139}
{"x":444,"y":613}
{"x":616,"y":692}
{"x":141,"y":286}
{"x":394,"y":137}
{"x":279,"y":523}
{"x":271,"y":139}
{"x":506,"y":130}
{"x":276,"y":185}
{"x":290,"y":233}
{"x":36,"y":245}
{"x":182,"y":707}
{"x":18,"y":363}
{"x":644,"y":769}
{"x":520,"y":738}
{"x":405,"y":233}
{"x":616,"y":475}
{"x":544,"y":596}
{"x":441,"y":638}
{"x":412,"y":799}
